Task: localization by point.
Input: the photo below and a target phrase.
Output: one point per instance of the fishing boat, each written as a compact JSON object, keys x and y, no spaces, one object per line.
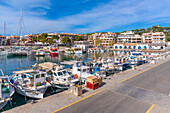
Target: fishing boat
{"x":57,"y":75}
{"x":30,"y":83}
{"x":6,"y":91}
{"x":53,"y":52}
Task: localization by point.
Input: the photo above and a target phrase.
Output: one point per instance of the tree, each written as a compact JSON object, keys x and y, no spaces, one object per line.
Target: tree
{"x":154,"y":28}
{"x":55,"y":37}
{"x":44,"y":37}
{"x":142,"y":30}
{"x":34,"y":39}
{"x":98,"y":41}
{"x":23,"y":40}
{"x":78,"y":38}
{"x":51,"y":40}
{"x":160,"y":29}
{"x":168,"y":38}
{"x":66,"y":40}
{"x":148,"y":30}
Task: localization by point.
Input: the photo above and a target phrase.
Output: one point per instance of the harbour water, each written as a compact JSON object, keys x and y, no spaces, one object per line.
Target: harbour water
{"x":10,"y":64}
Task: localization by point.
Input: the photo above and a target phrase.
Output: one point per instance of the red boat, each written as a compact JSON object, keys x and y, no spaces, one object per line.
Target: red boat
{"x":53,"y":52}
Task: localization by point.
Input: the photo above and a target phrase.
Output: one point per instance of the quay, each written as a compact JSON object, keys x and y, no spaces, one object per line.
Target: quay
{"x":144,"y":90}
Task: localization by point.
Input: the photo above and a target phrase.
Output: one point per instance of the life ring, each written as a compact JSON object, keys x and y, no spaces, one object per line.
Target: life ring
{"x":75,"y":76}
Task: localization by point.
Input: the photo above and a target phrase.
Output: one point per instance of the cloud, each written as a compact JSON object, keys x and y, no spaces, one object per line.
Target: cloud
{"x":112,"y":16}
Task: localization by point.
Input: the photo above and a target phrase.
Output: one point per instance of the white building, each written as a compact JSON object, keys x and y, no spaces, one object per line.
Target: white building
{"x":106,"y":39}
{"x":158,"y":37}
{"x":156,"y":46}
{"x":139,"y":46}
{"x":118,"y":46}
{"x":129,"y":37}
{"x":83,"y":44}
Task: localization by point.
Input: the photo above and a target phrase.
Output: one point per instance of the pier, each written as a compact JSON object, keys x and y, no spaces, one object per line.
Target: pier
{"x":144,"y":90}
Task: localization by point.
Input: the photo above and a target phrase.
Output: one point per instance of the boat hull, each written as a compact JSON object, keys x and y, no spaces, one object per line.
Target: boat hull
{"x":31,"y":94}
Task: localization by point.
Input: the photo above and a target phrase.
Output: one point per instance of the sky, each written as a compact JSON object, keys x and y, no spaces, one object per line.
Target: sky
{"x":82,"y":16}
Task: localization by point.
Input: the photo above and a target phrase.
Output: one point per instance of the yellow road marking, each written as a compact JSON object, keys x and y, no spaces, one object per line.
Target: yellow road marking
{"x":142,"y":72}
{"x":78,"y":101}
{"x":150,"y":108}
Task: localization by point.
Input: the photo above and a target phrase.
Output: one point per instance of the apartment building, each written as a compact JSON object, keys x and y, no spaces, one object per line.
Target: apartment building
{"x":2,"y":39}
{"x":157,"y":37}
{"x":129,"y":37}
{"x":102,"y":39}
{"x":13,"y":39}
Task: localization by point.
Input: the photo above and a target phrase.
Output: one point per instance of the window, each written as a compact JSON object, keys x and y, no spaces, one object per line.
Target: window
{"x":64,"y":72}
{"x":55,"y":74}
{"x":37,"y":76}
{"x":120,"y":47}
{"x":116,"y":47}
{"x":42,"y":75}
{"x":23,"y":76}
{"x":59,"y":73}
{"x":139,"y":47}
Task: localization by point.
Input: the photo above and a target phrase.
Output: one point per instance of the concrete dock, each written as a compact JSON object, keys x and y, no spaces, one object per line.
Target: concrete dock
{"x":144,"y":90}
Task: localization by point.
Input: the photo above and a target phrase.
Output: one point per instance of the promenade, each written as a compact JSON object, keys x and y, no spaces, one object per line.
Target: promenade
{"x":144,"y":90}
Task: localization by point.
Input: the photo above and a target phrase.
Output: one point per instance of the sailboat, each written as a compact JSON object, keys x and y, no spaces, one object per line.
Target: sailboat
{"x":20,"y":51}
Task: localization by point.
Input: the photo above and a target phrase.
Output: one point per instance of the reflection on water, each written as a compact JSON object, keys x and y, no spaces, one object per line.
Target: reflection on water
{"x":10,"y":64}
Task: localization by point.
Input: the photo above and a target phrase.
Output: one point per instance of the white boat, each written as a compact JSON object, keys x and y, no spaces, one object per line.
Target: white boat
{"x":30,"y":83}
{"x":77,"y":50}
{"x":81,"y":70}
{"x":69,"y":51}
{"x":40,"y":52}
{"x":3,"y":52}
{"x":6,"y":91}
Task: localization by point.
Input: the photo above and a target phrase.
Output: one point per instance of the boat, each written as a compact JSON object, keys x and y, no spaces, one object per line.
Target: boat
{"x":6,"y":91}
{"x":60,"y":77}
{"x":77,"y":50}
{"x":3,"y":52}
{"x":30,"y":83}
{"x":40,"y":52}
{"x":69,"y":51}
{"x":53,"y":52}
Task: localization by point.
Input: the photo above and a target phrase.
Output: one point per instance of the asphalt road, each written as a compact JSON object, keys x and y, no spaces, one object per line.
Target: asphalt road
{"x":156,"y":79}
{"x":108,"y":102}
{"x":112,"y":101}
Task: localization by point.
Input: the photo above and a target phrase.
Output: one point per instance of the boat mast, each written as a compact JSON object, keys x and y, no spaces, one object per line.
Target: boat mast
{"x":20,"y":34}
{"x":4,"y":28}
